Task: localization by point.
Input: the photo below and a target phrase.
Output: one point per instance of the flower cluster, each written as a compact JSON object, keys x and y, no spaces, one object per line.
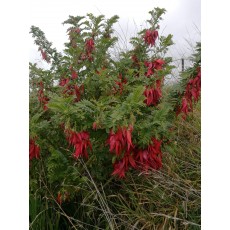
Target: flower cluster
{"x":44,"y":55}
{"x":152,"y":95}
{"x":64,"y":81}
{"x":152,"y":66}
{"x":80,"y":141}
{"x":34,"y":150}
{"x":150,"y":37}
{"x":193,"y":88}
{"x":122,"y":166}
{"x":70,"y":88}
{"x":74,"y":74}
{"x":130,"y":156}
{"x":121,"y":144}
{"x":192,"y":93}
{"x":74,"y":90}
{"x":121,"y":140}
{"x":89,"y":46}
{"x":151,"y":157}
{"x":41,"y":97}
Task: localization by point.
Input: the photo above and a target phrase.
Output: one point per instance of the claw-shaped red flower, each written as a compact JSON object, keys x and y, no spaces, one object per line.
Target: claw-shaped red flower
{"x":152,"y":66}
{"x":89,"y":45}
{"x":64,"y":81}
{"x":121,"y":166}
{"x":151,"y":157}
{"x":152,"y":95}
{"x":41,"y":96}
{"x":150,"y":37}
{"x":80,"y":141}
{"x":34,"y":150}
{"x":121,"y":140}
{"x":191,"y":94}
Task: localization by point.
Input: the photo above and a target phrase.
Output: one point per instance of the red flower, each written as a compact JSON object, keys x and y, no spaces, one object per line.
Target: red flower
{"x":34,"y":150}
{"x":185,"y":108}
{"x":80,"y":141}
{"x":151,"y":157}
{"x":152,"y":66}
{"x":152,"y":95}
{"x":64,"y":81}
{"x":192,"y":93}
{"x":157,"y":64}
{"x":78,"y":91}
{"x":89,"y":45}
{"x":121,"y":166}
{"x":74,"y":75}
{"x":59,"y":198}
{"x":150,"y":37}
{"x":42,"y":98}
{"x":116,"y":141}
{"x":195,"y":87}
{"x":121,"y":140}
{"x":44,"y":55}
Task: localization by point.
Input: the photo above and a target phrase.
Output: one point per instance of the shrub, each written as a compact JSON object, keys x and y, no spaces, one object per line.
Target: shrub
{"x":94,"y":119}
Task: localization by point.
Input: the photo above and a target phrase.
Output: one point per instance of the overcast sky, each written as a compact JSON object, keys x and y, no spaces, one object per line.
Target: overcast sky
{"x":182,"y":19}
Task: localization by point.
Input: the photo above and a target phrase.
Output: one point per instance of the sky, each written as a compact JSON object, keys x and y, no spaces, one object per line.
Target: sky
{"x":182,"y":20}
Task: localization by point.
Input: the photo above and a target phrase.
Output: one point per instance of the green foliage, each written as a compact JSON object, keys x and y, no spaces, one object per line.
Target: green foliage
{"x":156,"y":16}
{"x":43,"y":43}
{"x":57,"y":167}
